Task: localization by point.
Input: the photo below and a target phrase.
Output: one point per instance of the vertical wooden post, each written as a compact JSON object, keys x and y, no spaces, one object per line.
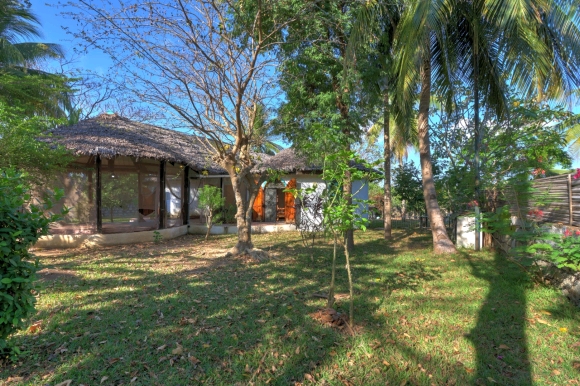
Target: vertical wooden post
{"x":98,"y":202}
{"x":162,"y":206}
{"x":185,"y":197}
{"x":570,"y":206}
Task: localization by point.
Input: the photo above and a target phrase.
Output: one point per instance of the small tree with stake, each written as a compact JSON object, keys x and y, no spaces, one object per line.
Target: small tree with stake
{"x":340,"y":212}
{"x":341,"y":215}
{"x":211,"y":200}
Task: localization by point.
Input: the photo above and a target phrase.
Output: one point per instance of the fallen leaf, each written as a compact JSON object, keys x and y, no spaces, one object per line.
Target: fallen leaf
{"x":556,"y":372}
{"x":161,"y":347}
{"x":35,"y":327}
{"x":298,"y":350}
{"x":133,"y":380}
{"x":65,"y":383}
{"x":546,"y":312}
{"x":503,"y":347}
{"x":178,"y":350}
{"x":194,"y":360}
{"x":309,"y":377}
{"x":542,"y":321}
{"x":104,"y":379}
{"x":261,"y":321}
{"x":386,"y":363}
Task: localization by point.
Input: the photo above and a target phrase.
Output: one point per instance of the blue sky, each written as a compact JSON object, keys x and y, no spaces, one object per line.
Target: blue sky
{"x":52,"y":26}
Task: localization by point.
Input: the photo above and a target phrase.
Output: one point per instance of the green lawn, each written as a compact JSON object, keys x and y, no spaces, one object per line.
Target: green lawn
{"x":179,"y":313}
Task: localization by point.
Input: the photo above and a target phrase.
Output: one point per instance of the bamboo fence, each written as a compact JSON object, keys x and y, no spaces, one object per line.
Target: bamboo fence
{"x":557,"y":197}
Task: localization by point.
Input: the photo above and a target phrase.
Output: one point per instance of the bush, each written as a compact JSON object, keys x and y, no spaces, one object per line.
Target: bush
{"x":564,"y":250}
{"x":21,"y":225}
{"x":211,"y":200}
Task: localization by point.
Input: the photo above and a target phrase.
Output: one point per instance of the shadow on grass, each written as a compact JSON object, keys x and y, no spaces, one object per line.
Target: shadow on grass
{"x":499,"y":336}
{"x":123,"y":313}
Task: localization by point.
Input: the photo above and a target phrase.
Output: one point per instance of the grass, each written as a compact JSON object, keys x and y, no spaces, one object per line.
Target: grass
{"x":179,"y":313}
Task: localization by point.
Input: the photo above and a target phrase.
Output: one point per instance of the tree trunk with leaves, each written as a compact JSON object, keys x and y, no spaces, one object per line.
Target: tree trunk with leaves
{"x":441,"y":242}
{"x":350,"y":286}
{"x":387,"y":167}
{"x":330,"y":301}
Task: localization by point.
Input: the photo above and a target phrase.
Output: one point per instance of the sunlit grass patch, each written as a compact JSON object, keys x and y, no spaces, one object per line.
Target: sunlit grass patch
{"x":180,"y":313}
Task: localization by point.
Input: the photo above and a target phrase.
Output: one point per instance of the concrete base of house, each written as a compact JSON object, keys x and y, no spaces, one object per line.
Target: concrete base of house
{"x":99,"y":240}
{"x":221,"y":229}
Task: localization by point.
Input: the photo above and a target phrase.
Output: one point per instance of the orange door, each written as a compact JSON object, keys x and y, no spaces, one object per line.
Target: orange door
{"x":289,"y":209}
{"x":258,"y":208}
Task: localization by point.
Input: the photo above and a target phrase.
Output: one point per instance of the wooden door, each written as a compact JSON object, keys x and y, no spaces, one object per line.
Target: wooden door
{"x":258,"y":208}
{"x":289,"y":209}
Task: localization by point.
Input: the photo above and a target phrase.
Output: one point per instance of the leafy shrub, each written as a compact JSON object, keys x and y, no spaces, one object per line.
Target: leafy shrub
{"x":21,"y":225}
{"x":211,"y":200}
{"x":563,"y":250}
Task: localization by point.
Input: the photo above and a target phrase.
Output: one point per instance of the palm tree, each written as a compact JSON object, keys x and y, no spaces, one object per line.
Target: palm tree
{"x":421,"y":44}
{"x":17,"y":23}
{"x":378,"y":22}
{"x":536,"y":45}
{"x":544,"y":40}
{"x":22,"y":83}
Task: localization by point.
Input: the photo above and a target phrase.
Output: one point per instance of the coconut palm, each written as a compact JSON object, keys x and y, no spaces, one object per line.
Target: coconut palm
{"x":539,"y":51}
{"x":22,"y":83}
{"x":17,"y":23}
{"x":375,"y":28}
{"x":533,"y":44}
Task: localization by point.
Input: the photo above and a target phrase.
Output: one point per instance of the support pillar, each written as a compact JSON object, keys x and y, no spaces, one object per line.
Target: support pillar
{"x":98,"y":200}
{"x":185,"y":197}
{"x":162,"y":206}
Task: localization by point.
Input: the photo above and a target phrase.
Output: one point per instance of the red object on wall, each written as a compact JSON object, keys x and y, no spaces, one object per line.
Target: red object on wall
{"x":289,"y":209}
{"x":258,"y":208}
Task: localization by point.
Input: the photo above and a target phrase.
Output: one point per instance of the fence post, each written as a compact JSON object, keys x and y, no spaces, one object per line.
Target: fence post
{"x":570,"y":207}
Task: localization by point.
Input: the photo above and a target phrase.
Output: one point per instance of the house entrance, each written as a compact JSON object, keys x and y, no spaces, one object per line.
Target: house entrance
{"x":273,"y":204}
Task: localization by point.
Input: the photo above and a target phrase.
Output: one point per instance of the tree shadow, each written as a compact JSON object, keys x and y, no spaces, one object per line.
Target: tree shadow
{"x":499,"y":335}
{"x":240,"y":323}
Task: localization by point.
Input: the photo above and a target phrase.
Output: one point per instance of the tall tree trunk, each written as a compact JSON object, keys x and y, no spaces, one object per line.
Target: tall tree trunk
{"x":441,"y":242}
{"x":477,"y":132}
{"x":387,"y":165}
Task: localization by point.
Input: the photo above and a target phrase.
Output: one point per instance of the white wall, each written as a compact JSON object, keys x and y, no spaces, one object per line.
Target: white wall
{"x":360,"y":189}
{"x":466,"y":233}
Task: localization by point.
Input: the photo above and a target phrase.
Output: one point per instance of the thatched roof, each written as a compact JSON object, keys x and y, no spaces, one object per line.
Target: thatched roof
{"x":286,"y":161}
{"x":110,"y":135}
{"x":289,"y":161}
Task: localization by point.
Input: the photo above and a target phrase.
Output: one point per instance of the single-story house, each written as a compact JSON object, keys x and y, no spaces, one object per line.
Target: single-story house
{"x":130,"y":179}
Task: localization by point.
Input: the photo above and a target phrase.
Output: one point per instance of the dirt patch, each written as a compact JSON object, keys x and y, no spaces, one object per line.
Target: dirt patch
{"x":331,"y":318}
{"x":52,"y":274}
